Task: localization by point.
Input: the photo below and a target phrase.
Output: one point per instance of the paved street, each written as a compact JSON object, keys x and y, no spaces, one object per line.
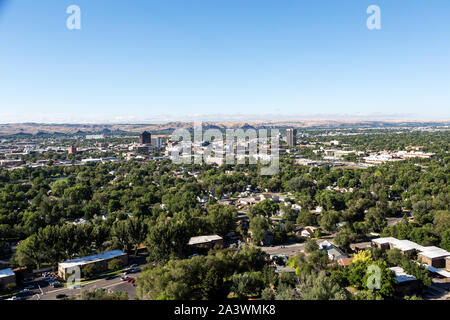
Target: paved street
{"x":285,"y":250}
{"x":115,"y":284}
{"x":43,"y":291}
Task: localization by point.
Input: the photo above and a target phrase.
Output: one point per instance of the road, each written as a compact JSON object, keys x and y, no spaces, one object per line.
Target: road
{"x":285,"y":249}
{"x":43,"y":291}
{"x":116,"y":284}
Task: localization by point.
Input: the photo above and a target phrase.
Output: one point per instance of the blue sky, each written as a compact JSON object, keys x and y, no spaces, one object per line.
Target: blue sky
{"x":148,"y":60}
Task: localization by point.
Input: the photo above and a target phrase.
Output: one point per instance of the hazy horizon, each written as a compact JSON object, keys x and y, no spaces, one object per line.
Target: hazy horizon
{"x":240,"y":119}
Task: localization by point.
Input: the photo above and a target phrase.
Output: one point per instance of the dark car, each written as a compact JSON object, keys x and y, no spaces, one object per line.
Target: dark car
{"x":110,"y":277}
{"x":61,"y":296}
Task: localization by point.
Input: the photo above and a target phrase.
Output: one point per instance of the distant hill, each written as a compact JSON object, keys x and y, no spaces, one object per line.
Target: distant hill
{"x":52,"y":128}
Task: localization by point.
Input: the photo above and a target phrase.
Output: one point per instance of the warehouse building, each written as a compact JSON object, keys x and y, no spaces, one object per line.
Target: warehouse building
{"x":99,"y":260}
{"x":7,"y":276}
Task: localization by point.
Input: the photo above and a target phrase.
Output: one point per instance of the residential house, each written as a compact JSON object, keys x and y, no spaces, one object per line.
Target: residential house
{"x":208,"y":241}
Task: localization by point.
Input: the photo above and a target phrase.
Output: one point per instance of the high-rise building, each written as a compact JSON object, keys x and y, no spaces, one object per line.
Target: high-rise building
{"x":291,"y":137}
{"x":145,"y":138}
{"x":72,"y":149}
{"x":157,"y":142}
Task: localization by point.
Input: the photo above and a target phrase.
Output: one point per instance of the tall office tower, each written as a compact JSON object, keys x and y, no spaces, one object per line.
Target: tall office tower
{"x":291,"y":135}
{"x":145,"y":138}
{"x":157,"y":142}
{"x":72,"y":150}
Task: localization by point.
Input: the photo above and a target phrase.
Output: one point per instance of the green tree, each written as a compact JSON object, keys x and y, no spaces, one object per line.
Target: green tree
{"x":221,"y":218}
{"x":259,"y":225}
{"x":306,"y":218}
{"x":247,"y":284}
{"x":320,"y":287}
{"x":101,"y":294}
{"x":115,"y":264}
{"x":89,"y":271}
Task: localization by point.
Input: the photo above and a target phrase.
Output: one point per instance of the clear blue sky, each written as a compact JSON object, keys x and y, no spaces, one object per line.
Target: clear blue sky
{"x":144,"y":60}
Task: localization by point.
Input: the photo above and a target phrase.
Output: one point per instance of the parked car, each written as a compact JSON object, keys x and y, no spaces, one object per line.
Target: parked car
{"x":125,"y":278}
{"x":75,"y":287}
{"x":132,"y":266}
{"x":110,"y":277}
{"x":61,"y":296}
{"x":134,"y":270}
{"x":56,"y":284}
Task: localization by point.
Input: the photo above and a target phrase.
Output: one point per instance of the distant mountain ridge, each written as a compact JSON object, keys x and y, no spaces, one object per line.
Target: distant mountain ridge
{"x":54,"y":128}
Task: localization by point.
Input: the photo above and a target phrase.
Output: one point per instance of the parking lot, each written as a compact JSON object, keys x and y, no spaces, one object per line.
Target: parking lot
{"x":40,"y":288}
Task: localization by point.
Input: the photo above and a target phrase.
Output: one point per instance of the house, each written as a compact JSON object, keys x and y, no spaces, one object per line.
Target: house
{"x":7,"y":276}
{"x":434,"y":256}
{"x":345,"y":262}
{"x":308,"y":232}
{"x":268,"y":196}
{"x":447,"y":263}
{"x":356,"y":247}
{"x":287,"y":269}
{"x":100,"y":261}
{"x":334,"y":253}
{"x":407,"y":285}
{"x":208,"y":241}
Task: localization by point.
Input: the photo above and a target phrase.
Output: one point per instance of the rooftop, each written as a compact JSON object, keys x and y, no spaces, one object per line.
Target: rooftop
{"x":6,"y":273}
{"x":406,"y":245}
{"x":441,"y":272}
{"x":434,"y":252}
{"x":92,"y":258}
{"x":204,"y":239}
{"x":401,"y":275}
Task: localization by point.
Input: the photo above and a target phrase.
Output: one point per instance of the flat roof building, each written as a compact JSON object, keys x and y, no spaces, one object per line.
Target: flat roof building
{"x":7,"y":276}
{"x":406,"y":284}
{"x":99,"y":260}
{"x":431,"y":255}
{"x":434,"y":256}
{"x":208,"y":240}
{"x":393,"y":243}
